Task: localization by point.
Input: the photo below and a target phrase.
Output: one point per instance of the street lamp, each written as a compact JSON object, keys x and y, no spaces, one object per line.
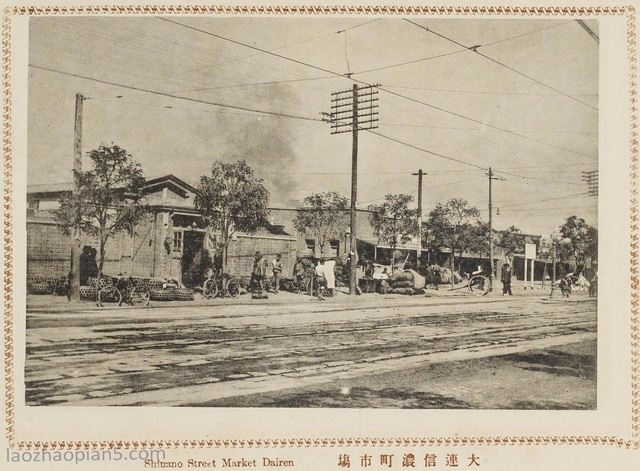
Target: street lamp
{"x":554,"y":239}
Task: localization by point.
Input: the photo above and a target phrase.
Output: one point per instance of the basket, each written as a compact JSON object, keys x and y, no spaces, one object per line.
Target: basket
{"x":87,"y":292}
{"x":183,"y":294}
{"x":104,"y":281}
{"x":162,"y":294}
{"x":154,"y":283}
{"x":41,"y":288}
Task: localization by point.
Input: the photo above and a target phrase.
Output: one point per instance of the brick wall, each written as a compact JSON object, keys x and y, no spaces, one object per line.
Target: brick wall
{"x":242,"y":253}
{"x":48,"y":250}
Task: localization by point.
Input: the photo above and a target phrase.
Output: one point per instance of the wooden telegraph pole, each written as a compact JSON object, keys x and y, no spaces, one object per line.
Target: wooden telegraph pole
{"x":353,"y":110}
{"x":74,"y":282}
{"x":419,"y":249}
{"x":492,"y":177}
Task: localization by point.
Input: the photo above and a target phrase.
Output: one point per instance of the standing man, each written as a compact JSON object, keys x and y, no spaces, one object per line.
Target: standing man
{"x":276,"y":267}
{"x":330,"y":275}
{"x":259,"y":274}
{"x":506,"y":280}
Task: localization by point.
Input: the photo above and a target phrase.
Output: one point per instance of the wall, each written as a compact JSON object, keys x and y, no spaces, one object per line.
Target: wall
{"x":242,"y":253}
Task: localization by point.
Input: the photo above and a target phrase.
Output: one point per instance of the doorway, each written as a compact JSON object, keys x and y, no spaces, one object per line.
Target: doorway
{"x":195,"y":259}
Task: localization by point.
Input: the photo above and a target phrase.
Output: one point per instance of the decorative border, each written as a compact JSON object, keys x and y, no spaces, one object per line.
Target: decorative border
{"x":629,"y":10}
{"x":318,"y":10}
{"x":635,"y":282}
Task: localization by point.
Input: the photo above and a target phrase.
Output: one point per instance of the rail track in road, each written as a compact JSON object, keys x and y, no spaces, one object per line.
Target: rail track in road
{"x":102,"y":362}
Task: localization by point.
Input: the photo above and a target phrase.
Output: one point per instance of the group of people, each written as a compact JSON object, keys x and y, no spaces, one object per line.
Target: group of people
{"x":263,"y":268}
{"x":268,"y":273}
{"x":323,"y":274}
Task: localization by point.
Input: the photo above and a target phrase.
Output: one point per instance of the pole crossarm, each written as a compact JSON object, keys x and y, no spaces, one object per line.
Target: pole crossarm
{"x":591,"y":179}
{"x":359,"y":102}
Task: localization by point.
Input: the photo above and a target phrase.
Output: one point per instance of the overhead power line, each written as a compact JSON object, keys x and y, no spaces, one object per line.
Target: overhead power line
{"x":428,"y":151}
{"x":454,"y":52}
{"x":169,"y":95}
{"x":453,"y":113}
{"x":475,"y":49}
{"x":365,"y":83}
{"x":589,"y":30}
{"x":575,"y":195}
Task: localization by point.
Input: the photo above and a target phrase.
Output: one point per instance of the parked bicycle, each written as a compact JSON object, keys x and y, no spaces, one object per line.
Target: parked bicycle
{"x":223,"y":285}
{"x":124,"y":290}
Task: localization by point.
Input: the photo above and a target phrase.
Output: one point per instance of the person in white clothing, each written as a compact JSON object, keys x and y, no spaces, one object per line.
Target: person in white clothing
{"x":330,"y":275}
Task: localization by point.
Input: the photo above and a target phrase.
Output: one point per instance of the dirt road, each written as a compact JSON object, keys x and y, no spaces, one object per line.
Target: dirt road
{"x":379,"y":352}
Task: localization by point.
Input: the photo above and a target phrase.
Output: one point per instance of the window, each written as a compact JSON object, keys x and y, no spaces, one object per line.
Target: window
{"x":177,"y":241}
{"x":334,"y":244}
{"x":311,"y":244}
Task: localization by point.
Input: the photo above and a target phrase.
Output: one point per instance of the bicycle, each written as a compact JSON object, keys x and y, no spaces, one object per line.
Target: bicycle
{"x":222,"y":285}
{"x":124,"y":290}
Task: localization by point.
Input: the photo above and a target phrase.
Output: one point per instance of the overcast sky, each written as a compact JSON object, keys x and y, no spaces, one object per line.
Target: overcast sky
{"x":180,"y":92}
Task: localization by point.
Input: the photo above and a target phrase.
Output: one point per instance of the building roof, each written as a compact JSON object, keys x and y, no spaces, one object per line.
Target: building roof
{"x":45,"y":188}
{"x":176,"y":185}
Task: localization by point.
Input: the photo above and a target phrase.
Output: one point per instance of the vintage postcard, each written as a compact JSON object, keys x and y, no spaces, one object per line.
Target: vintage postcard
{"x":341,"y":237}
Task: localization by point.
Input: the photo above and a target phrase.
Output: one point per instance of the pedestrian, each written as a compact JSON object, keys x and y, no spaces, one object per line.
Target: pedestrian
{"x":330,"y":275}
{"x":346,"y":271}
{"x":368,"y":268}
{"x":299,"y":270}
{"x":259,"y":273}
{"x":321,"y":281}
{"x":506,"y":280}
{"x":276,"y":268}
{"x":84,"y":264}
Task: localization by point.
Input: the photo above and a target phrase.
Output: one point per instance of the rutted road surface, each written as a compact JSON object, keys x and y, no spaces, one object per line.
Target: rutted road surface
{"x":340,"y":353}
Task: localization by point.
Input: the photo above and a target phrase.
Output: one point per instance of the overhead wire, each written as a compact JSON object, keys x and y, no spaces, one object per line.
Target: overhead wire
{"x":475,"y":49}
{"x":528,"y":203}
{"x":153,"y":92}
{"x":481,"y":92}
{"x":365,"y":83}
{"x":266,"y":112}
{"x":452,"y":53}
{"x":539,"y":179}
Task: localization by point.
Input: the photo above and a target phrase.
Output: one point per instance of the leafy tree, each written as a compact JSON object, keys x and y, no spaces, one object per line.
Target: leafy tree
{"x":323,"y":216}
{"x":393,"y":222}
{"x":477,"y":239}
{"x":232,"y":199}
{"x":452,"y":224}
{"x":107,"y":200}
{"x":511,"y":241}
{"x":581,"y":241}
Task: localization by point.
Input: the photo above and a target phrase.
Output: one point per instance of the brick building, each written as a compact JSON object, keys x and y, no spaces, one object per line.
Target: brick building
{"x":167,"y":242}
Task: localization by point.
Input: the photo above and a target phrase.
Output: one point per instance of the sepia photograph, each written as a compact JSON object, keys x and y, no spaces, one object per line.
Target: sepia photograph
{"x":312,"y":212}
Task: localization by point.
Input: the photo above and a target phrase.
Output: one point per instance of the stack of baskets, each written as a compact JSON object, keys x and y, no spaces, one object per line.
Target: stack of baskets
{"x":183,"y":294}
{"x":48,"y":285}
{"x":104,"y":281}
{"x":89,"y":292}
{"x":160,"y":290}
{"x":39,"y":287}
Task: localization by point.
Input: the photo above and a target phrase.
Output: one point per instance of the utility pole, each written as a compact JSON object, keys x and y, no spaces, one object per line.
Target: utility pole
{"x":490,"y":234}
{"x":351,"y":111}
{"x":74,"y":293}
{"x":419,"y":250}
{"x":491,"y":177}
